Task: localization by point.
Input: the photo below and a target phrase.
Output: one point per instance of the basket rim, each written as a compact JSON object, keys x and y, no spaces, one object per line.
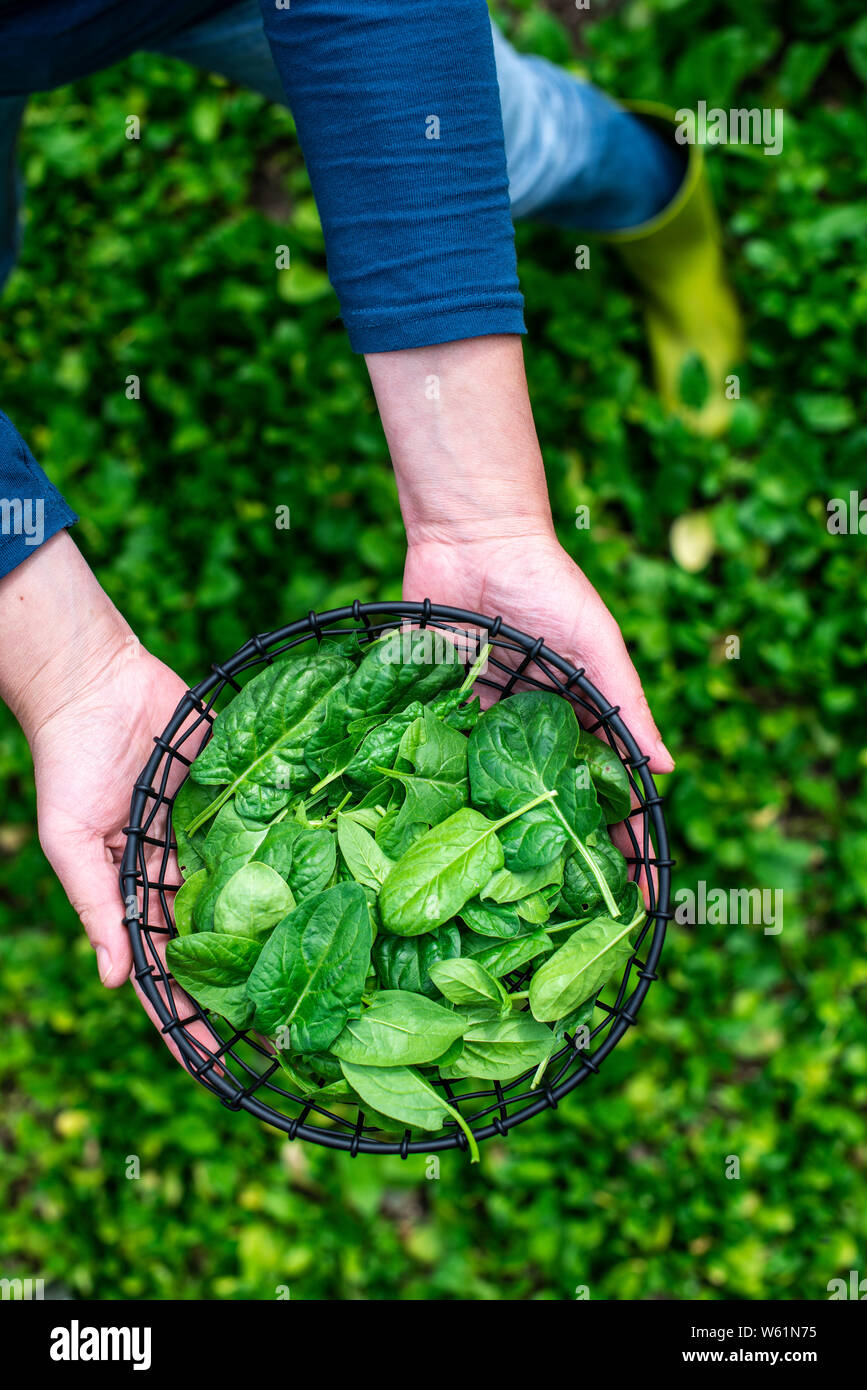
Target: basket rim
{"x":204,"y":1066}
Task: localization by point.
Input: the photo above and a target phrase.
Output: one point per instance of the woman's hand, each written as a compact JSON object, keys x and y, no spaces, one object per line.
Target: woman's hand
{"x":90,"y":700}
{"x":478,"y":522}
{"x":86,"y":758}
{"x":531,"y":581}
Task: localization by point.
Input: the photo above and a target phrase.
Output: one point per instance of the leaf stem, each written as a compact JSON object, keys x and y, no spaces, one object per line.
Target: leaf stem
{"x":222,"y":799}
{"x":540,"y":1072}
{"x":471,"y":1138}
{"x":211,"y":810}
{"x":475,"y":669}
{"x":316,"y":824}
{"x":332,"y":777}
{"x":604,"y":889}
{"x":537,"y":801}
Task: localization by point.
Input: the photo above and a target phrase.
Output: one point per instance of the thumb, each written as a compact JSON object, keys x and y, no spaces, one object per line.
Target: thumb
{"x":88,"y":874}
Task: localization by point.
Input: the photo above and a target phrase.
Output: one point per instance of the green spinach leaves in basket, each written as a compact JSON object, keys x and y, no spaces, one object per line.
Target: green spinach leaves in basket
{"x":373,"y":868}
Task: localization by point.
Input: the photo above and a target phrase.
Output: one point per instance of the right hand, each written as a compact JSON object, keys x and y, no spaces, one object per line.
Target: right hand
{"x":90,"y":700}
{"x":87,"y":756}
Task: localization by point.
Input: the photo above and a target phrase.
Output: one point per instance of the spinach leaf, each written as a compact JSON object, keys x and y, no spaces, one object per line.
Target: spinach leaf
{"x":578,"y":1018}
{"x":214,"y":971}
{"x":452,"y":1053}
{"x":403,"y":962}
{"x":231,"y":1002}
{"x":502,"y":957}
{"x":438,"y":786}
{"x":185,"y":901}
{"x":331,"y":745}
{"x":609,"y":777}
{"x":631,"y":902}
{"x":310,"y":976}
{"x":527,"y":845}
{"x":401,"y":1094}
{"x":365,"y":861}
{"x":533,"y":909}
{"x":304,"y":856}
{"x":257,"y":746}
{"x":380,"y":747}
{"x":581,"y":891}
{"x":519,"y":748}
{"x":316,"y":1074}
{"x":455,"y":707}
{"x":373,"y":909}
{"x":399,"y":1029}
{"x":524,"y":746}
{"x":229,"y":844}
{"x":367,"y":744}
{"x":368,"y":816}
{"x":252,"y":901}
{"x":376,"y":798}
{"x":189,"y":800}
{"x":500,"y":1049}
{"x":581,"y":966}
{"x":456,"y":711}
{"x":211,"y":960}
{"x":465,"y":981}
{"x":360,"y":728}
{"x":492,"y":919}
{"x":442,"y":871}
{"x":507,"y":887}
{"x":324,"y":1065}
{"x":296,"y":1073}
{"x":394,"y":834}
{"x":402,"y":666}
{"x":231,"y":839}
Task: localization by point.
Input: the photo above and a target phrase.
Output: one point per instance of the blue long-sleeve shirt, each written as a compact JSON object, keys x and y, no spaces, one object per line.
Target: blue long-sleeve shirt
{"x":397,"y":109}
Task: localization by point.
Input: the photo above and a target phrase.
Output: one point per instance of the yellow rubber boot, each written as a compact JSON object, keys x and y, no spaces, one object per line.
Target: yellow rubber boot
{"x":690,"y":310}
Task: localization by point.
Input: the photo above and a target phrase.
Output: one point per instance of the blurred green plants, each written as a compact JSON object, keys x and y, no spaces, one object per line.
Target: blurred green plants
{"x":156,"y":258}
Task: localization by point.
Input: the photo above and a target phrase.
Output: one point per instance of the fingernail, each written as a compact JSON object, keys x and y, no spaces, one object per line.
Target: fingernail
{"x":662,"y":751}
{"x":103,"y":963}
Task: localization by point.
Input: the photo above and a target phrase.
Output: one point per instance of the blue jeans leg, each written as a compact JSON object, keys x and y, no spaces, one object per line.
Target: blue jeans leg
{"x":575,"y":157}
{"x":233,"y":44}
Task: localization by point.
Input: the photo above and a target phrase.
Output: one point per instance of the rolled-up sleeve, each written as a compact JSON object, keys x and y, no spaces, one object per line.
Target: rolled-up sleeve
{"x":397,"y":109}
{"x":31,"y":508}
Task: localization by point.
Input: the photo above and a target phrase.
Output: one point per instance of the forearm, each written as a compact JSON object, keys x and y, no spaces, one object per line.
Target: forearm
{"x":460,"y":430}
{"x":58,"y":629}
{"x":397,"y":108}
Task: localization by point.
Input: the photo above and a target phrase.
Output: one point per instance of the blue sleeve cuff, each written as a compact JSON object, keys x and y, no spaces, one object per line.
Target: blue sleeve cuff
{"x":391,"y":334}
{"x":31,"y":508}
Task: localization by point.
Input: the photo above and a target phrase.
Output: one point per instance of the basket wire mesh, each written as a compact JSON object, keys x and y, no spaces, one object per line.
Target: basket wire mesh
{"x":240,"y":1068}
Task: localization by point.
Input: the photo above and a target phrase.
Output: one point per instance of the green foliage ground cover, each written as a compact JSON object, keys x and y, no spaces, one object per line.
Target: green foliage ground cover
{"x":156,"y":258}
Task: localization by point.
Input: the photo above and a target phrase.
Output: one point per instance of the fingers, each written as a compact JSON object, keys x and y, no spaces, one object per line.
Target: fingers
{"x":608,"y":666}
{"x":89,"y":877}
{"x":182,"y":1007}
{"x":621,"y":837}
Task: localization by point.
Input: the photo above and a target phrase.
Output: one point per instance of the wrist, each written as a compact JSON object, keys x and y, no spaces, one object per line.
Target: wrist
{"x":460,"y":431}
{"x":59,"y":633}
{"x":477,"y":529}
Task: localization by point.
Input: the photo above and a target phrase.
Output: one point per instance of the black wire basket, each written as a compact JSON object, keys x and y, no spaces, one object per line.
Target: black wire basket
{"x":240,"y":1067}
